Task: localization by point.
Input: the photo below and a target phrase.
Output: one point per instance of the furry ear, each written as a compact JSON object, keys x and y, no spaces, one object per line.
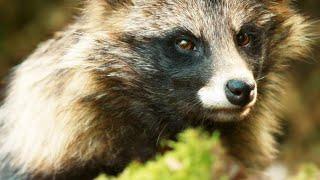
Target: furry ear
{"x":294,"y":34}
{"x":107,"y":4}
{"x":282,"y":1}
{"x":277,"y":1}
{"x":96,"y":11}
{"x":118,"y":3}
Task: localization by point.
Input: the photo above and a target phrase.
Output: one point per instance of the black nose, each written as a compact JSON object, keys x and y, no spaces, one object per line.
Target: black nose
{"x":239,"y":93}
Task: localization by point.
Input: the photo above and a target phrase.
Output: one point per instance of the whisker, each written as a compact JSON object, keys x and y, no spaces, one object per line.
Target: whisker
{"x":161,"y":132}
{"x":261,"y":78}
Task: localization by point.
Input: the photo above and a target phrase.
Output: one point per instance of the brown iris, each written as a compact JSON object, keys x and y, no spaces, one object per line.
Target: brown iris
{"x":186,"y":45}
{"x":243,"y":39}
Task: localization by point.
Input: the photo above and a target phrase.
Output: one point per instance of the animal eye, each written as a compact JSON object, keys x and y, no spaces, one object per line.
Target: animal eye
{"x":243,"y":39}
{"x":185,"y":44}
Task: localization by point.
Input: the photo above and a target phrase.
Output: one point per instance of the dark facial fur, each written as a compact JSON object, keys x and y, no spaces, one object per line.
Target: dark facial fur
{"x":105,"y":91}
{"x":180,"y":75}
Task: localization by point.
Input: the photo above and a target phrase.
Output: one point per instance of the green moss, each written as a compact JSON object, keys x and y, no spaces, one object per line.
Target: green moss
{"x":308,"y":172}
{"x":194,"y":156}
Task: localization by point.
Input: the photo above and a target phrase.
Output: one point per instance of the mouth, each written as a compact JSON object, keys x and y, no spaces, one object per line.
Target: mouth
{"x":228,"y":114}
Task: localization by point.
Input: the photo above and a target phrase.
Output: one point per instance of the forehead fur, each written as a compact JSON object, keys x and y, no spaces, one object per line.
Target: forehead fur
{"x":205,"y":18}
{"x":196,"y":16}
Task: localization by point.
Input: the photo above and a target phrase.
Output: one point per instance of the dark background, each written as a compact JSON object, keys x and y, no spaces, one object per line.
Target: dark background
{"x":25,"y":23}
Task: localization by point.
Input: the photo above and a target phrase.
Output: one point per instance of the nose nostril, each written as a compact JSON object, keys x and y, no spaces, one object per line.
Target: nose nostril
{"x":239,"y":92}
{"x":235,"y":88}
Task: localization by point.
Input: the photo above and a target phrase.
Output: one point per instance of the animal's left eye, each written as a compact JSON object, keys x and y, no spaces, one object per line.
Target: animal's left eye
{"x":243,"y":39}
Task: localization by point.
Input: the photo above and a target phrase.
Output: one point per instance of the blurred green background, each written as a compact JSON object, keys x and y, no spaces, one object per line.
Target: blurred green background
{"x":23,"y":24}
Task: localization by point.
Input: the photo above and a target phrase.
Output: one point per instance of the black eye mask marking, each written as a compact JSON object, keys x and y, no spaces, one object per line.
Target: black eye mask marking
{"x":165,"y":46}
{"x":256,"y":35}
{"x":190,"y":69}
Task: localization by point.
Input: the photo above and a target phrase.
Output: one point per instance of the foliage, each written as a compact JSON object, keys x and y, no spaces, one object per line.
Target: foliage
{"x":195,"y":156}
{"x":308,"y":172}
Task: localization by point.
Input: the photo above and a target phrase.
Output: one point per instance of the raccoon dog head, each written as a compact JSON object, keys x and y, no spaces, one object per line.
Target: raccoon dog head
{"x":204,"y":57}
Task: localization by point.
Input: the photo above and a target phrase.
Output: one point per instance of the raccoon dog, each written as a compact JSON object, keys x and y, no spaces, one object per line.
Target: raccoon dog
{"x":128,"y":73}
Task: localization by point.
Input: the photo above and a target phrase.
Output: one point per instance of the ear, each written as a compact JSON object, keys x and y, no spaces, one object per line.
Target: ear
{"x":98,"y":10}
{"x":117,"y":3}
{"x":294,"y":32}
{"x":106,"y":5}
{"x":277,"y":1}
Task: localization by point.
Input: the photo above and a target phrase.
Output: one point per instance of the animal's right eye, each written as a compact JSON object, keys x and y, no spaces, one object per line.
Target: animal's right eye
{"x":185,"y":44}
